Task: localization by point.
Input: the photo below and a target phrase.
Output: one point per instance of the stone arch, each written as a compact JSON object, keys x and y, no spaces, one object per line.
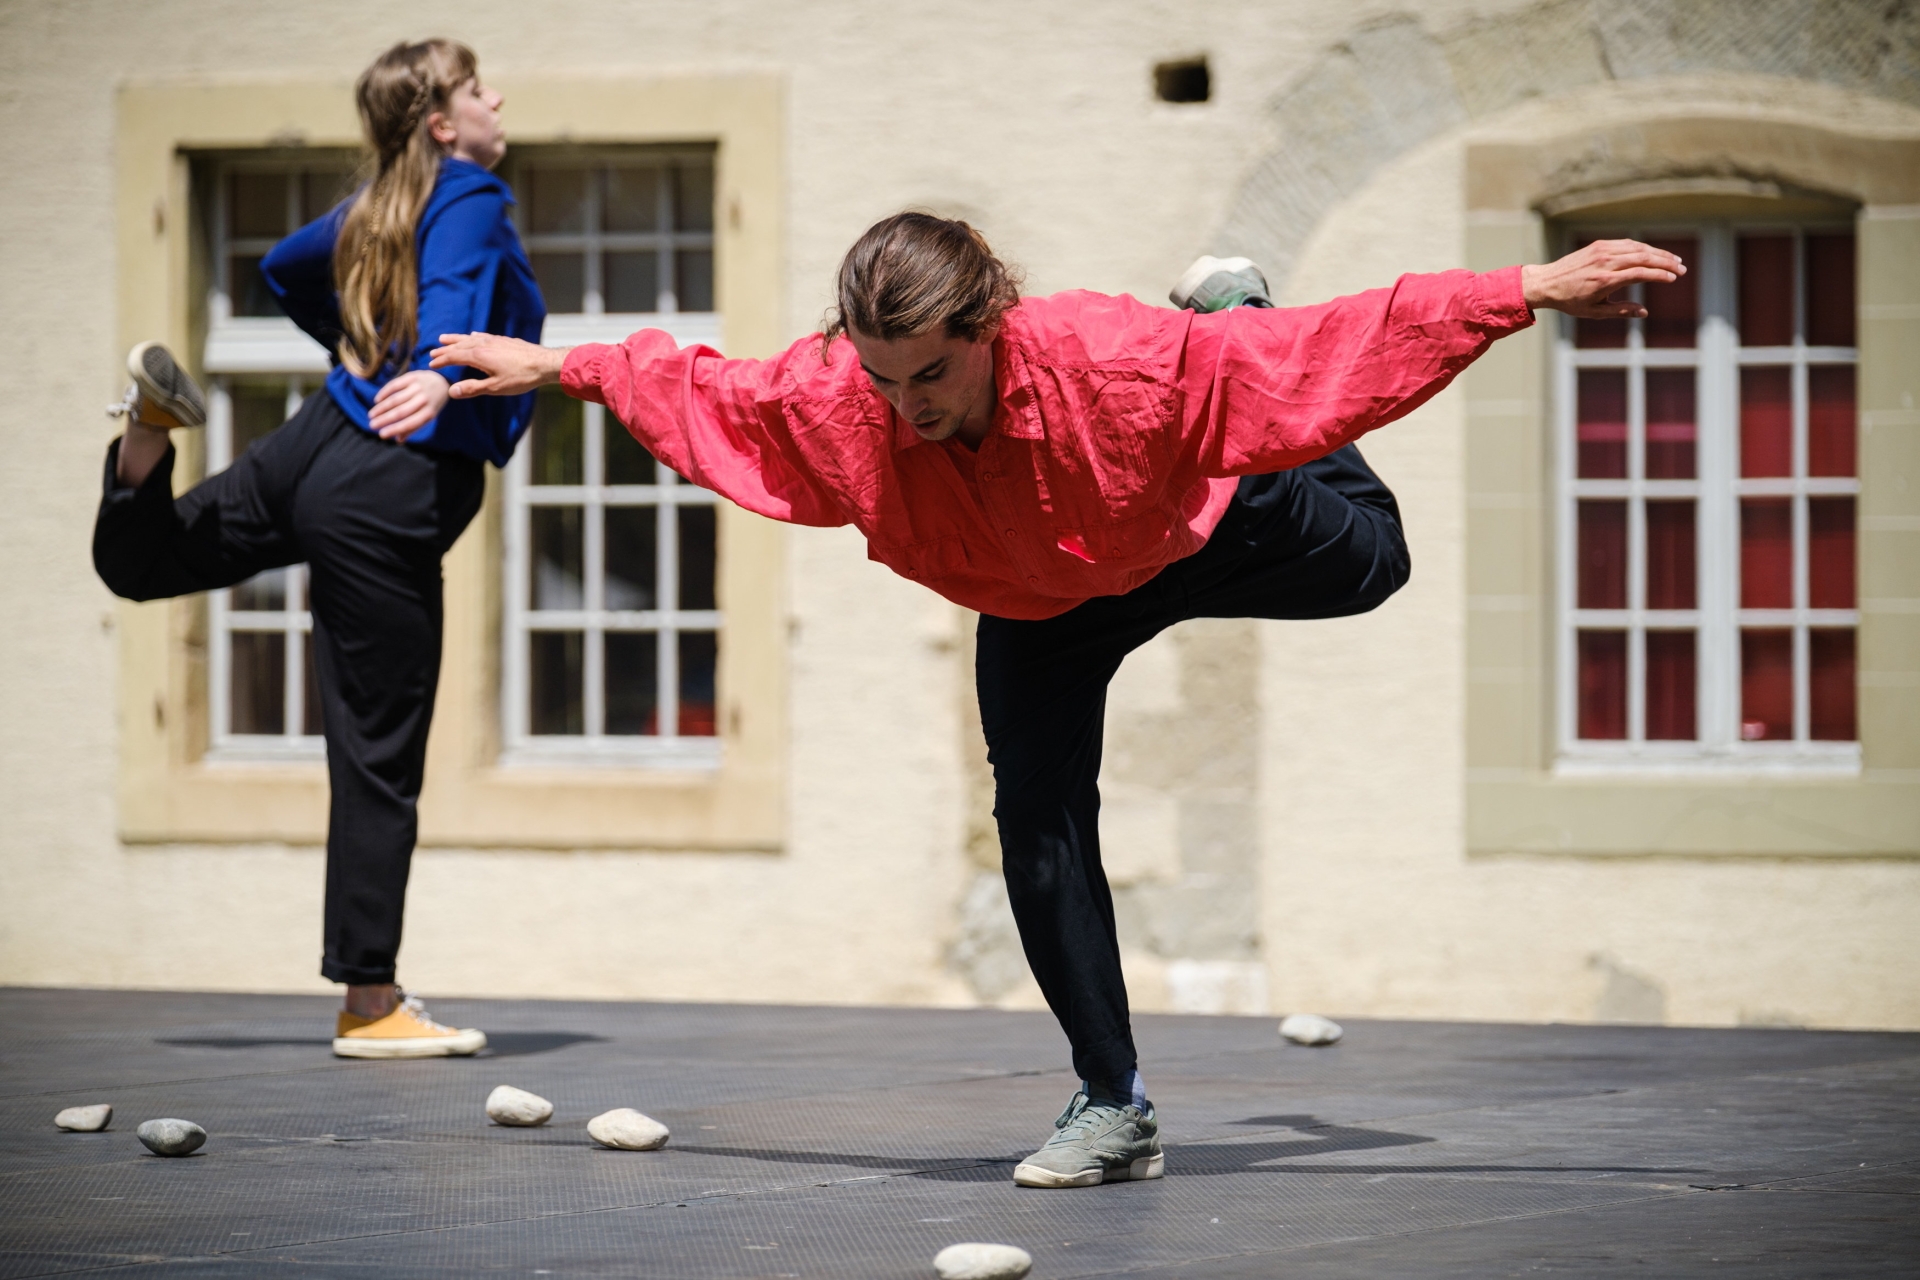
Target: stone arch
{"x":1393,"y":85}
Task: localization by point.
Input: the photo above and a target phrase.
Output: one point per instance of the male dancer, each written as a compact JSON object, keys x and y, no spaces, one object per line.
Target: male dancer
{"x":1084,"y":471}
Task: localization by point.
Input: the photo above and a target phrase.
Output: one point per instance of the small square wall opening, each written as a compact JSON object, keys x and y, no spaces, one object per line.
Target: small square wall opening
{"x":1183,"y":80}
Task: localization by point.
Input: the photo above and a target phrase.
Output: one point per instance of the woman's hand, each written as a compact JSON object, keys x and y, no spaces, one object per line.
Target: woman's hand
{"x":407,"y":403}
{"x":512,"y":367}
{"x":1585,"y":281}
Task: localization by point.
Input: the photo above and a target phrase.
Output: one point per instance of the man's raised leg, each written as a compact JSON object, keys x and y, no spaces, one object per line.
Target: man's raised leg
{"x":1321,"y":541}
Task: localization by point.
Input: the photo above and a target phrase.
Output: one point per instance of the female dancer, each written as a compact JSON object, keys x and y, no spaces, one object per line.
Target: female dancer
{"x":369,"y":483}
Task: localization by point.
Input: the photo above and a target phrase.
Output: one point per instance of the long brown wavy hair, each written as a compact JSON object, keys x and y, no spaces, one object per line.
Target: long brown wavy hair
{"x":374,"y":266}
{"x":914,"y":271}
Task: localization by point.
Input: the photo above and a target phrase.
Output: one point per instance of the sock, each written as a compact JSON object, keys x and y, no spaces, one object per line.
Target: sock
{"x":1129,"y":1089}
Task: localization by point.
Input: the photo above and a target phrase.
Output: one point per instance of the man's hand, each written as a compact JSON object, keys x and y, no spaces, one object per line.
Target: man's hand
{"x":512,"y":366}
{"x":1585,"y":281}
{"x":407,"y":404}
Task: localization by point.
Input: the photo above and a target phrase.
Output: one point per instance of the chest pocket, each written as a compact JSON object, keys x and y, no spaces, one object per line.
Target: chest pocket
{"x":1129,"y":434}
{"x":1109,"y":439}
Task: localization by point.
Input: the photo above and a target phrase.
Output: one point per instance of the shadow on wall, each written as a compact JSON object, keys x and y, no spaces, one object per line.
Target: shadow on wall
{"x":1178,"y":833}
{"x":1626,"y":996}
{"x":1393,"y":85}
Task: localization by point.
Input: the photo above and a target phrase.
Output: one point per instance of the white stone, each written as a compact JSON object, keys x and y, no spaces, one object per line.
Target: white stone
{"x":1310,"y":1029}
{"x":169,"y":1137}
{"x":627,"y":1130}
{"x":85,"y":1119}
{"x":508,"y":1105}
{"x":982,"y":1262}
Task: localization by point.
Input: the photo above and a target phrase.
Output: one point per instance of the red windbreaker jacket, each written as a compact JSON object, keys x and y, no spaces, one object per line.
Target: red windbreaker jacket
{"x":1114,"y":450}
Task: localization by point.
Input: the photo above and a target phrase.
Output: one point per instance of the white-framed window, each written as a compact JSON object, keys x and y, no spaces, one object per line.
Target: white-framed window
{"x":1707,"y":484}
{"x":262,"y":690}
{"x":263,"y":699}
{"x":612,"y":618}
{"x":250,"y":204}
{"x":619,"y":239}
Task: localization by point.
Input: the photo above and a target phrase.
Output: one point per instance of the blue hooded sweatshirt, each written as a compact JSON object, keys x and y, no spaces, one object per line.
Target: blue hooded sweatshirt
{"x":474,"y":277}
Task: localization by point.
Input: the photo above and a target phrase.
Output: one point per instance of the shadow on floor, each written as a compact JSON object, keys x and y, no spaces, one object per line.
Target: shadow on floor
{"x":1204,"y":1159}
{"x":500,"y":1044}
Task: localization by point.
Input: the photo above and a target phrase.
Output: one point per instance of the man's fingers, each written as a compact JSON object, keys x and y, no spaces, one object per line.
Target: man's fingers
{"x":458,"y":348}
{"x":1620,"y":279}
{"x":1610,"y":311}
{"x":1632,"y":251}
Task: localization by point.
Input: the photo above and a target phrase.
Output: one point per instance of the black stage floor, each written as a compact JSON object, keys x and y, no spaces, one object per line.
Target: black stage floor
{"x":843,"y":1143}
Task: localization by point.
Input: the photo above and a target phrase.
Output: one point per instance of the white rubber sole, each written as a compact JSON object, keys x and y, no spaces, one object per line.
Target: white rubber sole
{"x":1153,"y":1166}
{"x":457,"y":1045}
{"x":165,"y":385}
{"x":1197,"y":274}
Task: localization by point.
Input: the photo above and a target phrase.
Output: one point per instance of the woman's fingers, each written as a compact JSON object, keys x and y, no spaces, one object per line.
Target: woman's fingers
{"x":404,"y":427}
{"x":407,"y":417}
{"x":406,"y":404}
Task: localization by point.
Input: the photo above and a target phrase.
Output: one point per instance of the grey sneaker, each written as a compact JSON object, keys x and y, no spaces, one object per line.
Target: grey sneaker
{"x":1219,"y":284}
{"x":163,"y":395}
{"x":1098,"y":1140}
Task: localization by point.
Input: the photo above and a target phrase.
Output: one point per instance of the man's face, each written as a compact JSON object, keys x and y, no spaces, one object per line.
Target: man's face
{"x":932,"y":380}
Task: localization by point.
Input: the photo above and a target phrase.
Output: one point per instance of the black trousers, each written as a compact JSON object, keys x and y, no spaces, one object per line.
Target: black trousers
{"x":372,"y":521}
{"x":1321,"y":541}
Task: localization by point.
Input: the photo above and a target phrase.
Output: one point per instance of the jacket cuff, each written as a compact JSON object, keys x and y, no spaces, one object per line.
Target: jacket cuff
{"x":580,"y":373}
{"x":1503,"y":303}
{"x":157,"y":487}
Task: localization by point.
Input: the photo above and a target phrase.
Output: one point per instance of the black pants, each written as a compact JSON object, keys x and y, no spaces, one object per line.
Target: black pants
{"x":372,"y":520}
{"x":1321,"y":541}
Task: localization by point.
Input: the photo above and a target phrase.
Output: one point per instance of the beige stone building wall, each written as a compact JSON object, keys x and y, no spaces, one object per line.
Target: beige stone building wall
{"x":1291,"y":811}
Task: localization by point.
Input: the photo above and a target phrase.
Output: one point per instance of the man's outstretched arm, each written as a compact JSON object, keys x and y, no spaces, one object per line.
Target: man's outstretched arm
{"x":1587,"y":282}
{"x":713,"y":420}
{"x":1271,"y":389}
{"x":512,"y":367}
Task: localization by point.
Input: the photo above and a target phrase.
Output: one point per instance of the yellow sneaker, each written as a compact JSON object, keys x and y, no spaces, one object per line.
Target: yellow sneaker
{"x":407,"y":1032}
{"x":163,"y":395}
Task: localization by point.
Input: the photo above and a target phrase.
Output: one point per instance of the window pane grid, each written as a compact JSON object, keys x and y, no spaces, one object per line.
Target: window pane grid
{"x":630,"y":236}
{"x":607,"y":667}
{"x":1636,"y":670}
{"x":262,"y":685}
{"x":255,"y":206}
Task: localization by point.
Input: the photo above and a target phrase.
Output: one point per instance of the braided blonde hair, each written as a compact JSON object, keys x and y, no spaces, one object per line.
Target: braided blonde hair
{"x":374,"y":266}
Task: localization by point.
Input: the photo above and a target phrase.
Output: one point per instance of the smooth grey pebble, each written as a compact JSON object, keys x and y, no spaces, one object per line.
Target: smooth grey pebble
{"x":170,"y":1137}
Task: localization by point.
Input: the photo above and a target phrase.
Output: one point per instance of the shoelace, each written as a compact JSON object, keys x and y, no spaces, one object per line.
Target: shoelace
{"x":414,"y":1006}
{"x":129,"y":408}
{"x":1075,"y":1120}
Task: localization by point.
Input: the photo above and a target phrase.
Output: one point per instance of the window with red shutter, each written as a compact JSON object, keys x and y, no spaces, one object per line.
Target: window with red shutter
{"x":1708,"y":489}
